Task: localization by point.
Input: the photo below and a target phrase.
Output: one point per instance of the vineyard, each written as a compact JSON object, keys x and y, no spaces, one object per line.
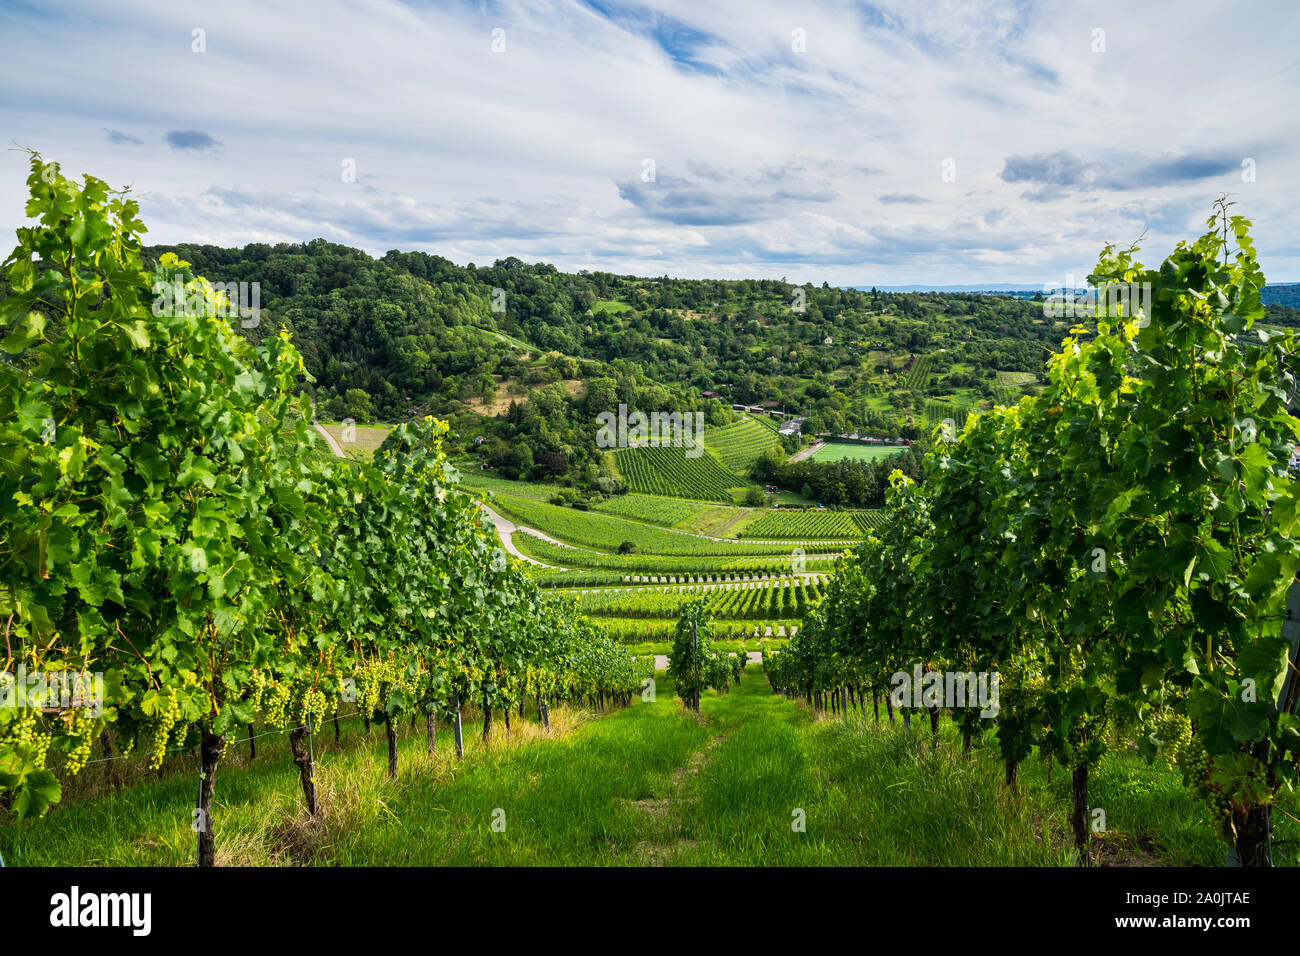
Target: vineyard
{"x":916,"y":377}
{"x":478,"y":480}
{"x":811,"y":524}
{"x":739,"y":445}
{"x":711,"y":558}
{"x":1091,"y":582}
{"x":758,"y":601}
{"x":666,"y":470}
{"x":668,"y":512}
{"x":589,"y":529}
{"x":938,"y":412}
{"x":164,"y":532}
{"x":645,"y":633}
{"x":1117,"y":550}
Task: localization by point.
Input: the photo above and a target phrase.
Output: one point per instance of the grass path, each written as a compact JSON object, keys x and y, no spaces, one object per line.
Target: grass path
{"x":755,"y":780}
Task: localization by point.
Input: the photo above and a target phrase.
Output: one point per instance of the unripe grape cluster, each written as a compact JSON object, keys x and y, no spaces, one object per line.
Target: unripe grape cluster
{"x":1173,"y":731}
{"x":82,"y":729}
{"x":256,"y":687}
{"x":314,"y":703}
{"x":159,"y":728}
{"x":25,"y":733}
{"x":1196,"y":765}
{"x":275,"y":701}
{"x":376,"y":679}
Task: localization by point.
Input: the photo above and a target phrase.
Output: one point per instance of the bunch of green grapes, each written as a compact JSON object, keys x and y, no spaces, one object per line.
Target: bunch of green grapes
{"x":1172,"y":733}
{"x":314,"y":704}
{"x":375,"y":679}
{"x":1120,"y":725}
{"x":275,"y":700}
{"x":1196,"y":765}
{"x":368,"y":680}
{"x":159,"y":728}
{"x":25,"y":733}
{"x":256,"y":689}
{"x":125,"y":734}
{"x":82,"y":729}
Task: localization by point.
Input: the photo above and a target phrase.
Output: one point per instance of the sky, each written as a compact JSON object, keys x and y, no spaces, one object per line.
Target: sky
{"x":851,"y":143}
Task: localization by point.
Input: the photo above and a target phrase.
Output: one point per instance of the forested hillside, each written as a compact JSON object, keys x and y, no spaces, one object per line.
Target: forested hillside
{"x":526,"y":356}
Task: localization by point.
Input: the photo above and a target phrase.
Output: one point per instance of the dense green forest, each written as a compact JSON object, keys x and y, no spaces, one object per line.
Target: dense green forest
{"x":520,"y":358}
{"x":526,"y":356}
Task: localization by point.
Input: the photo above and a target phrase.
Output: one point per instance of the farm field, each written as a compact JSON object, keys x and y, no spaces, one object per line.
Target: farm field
{"x":720,"y":521}
{"x":638,"y":632}
{"x":358,"y":441}
{"x":724,"y":644}
{"x":666,"y":470}
{"x":610,"y":306}
{"x":765,"y":601}
{"x":669,"y":512}
{"x":779,"y":563}
{"x":811,"y":524}
{"x":936,"y":412}
{"x":591,"y":529}
{"x":1016,"y":379}
{"x":739,"y":445}
{"x":486,"y":481}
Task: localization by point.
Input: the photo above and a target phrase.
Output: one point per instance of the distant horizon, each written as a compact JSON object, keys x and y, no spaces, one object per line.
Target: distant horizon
{"x":1000,"y":287}
{"x":867,"y":287}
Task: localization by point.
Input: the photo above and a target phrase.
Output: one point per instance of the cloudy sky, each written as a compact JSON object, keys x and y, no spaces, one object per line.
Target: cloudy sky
{"x":888,"y":143}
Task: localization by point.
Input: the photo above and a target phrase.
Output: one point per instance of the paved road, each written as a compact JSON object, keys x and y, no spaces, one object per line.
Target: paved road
{"x":505,"y":531}
{"x":810,"y":450}
{"x":334,"y":446}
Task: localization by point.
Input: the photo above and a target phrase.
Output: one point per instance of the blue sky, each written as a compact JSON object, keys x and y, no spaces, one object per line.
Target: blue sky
{"x":854,"y":143}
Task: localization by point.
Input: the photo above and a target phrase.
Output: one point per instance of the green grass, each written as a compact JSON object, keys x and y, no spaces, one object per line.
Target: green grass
{"x":792,"y":498}
{"x":647,"y":785}
{"x":719,"y":521}
{"x":360,"y":442}
{"x":839,"y":450}
{"x":1016,"y":379}
{"x":508,"y":340}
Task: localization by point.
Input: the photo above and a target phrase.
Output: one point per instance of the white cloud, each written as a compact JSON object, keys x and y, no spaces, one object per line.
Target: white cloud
{"x":824,"y":164}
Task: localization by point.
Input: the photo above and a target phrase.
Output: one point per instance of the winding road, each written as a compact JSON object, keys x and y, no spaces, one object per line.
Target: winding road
{"x":506,"y":530}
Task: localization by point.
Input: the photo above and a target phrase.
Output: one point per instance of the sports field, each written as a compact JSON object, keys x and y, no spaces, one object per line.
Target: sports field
{"x":839,"y":450}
